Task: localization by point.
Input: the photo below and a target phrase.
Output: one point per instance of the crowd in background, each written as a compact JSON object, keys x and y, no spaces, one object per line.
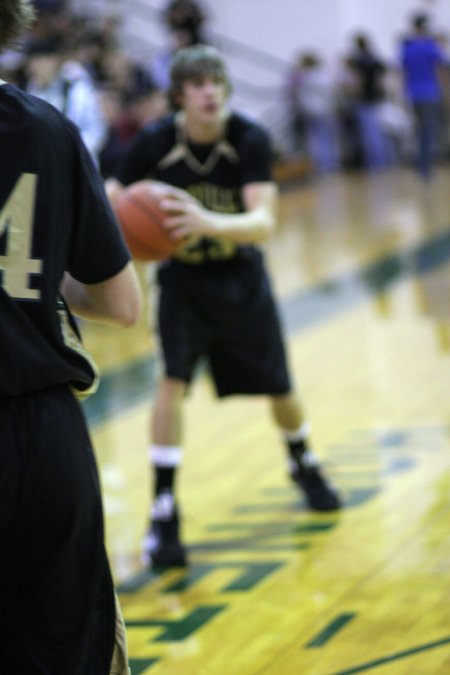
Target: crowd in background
{"x":355,"y":115}
{"x":370,"y":113}
{"x":77,"y":64}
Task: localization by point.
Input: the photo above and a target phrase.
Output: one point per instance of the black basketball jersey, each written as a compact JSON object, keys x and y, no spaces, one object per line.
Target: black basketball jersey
{"x":54,"y":216}
{"x":213,"y":173}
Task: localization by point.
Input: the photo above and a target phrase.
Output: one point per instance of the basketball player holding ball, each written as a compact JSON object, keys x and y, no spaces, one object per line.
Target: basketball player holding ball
{"x":215,"y":297}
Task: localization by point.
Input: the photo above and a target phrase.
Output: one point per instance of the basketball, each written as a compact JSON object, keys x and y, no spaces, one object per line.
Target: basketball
{"x":141,"y":219}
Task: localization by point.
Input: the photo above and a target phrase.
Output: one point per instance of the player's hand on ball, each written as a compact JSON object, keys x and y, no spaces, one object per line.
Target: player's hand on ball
{"x":185,"y":217}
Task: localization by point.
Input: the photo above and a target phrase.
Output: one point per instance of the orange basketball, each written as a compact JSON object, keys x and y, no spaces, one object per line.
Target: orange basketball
{"x":140,"y":216}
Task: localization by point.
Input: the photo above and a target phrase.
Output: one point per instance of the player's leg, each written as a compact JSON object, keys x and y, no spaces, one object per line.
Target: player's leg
{"x":162,"y":545}
{"x":304,"y":467}
{"x":58,"y":599}
{"x":167,"y":422}
{"x":247,"y":360}
{"x":182,"y":341}
{"x":426,"y":130}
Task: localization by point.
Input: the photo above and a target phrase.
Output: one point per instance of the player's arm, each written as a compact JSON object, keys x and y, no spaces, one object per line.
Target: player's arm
{"x":113,"y":189}
{"x":250,"y":227}
{"x":116,"y":300}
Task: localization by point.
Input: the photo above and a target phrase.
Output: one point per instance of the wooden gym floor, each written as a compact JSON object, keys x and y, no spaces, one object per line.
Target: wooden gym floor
{"x":362,"y":268}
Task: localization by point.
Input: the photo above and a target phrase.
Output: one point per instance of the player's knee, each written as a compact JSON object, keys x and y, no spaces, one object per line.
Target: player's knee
{"x":171,"y":389}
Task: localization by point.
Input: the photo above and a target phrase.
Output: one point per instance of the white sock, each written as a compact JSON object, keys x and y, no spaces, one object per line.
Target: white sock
{"x":299,"y":434}
{"x":165,"y":455}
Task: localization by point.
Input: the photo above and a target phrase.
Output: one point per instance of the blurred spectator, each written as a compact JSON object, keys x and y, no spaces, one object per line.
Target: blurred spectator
{"x":75,"y":63}
{"x":125,"y":73}
{"x":444,"y":113}
{"x":144,"y":106}
{"x":125,"y":117}
{"x":118,"y":136}
{"x":67,"y":86}
{"x":295,"y":115}
{"x":49,"y":6}
{"x":426,"y":79}
{"x":185,"y":16}
{"x":396,"y":119}
{"x":89,"y":48}
{"x":312,"y":96}
{"x":160,"y":67}
{"x":52,"y":18}
{"x":347,"y":84}
{"x":12,"y":67}
{"x":184,"y":20}
{"x":369,"y":95}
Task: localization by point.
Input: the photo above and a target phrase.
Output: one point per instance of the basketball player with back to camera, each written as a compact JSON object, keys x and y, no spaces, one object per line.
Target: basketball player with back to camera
{"x":215,"y":295}
{"x":58,"y":237}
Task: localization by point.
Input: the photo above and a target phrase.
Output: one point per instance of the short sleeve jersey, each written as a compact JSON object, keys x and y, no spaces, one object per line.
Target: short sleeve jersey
{"x":54,"y":216}
{"x":420,"y":59}
{"x":215,"y":174}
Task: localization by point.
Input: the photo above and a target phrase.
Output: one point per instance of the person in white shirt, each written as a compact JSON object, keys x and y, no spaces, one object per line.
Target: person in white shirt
{"x":67,"y":85}
{"x":313,"y":93}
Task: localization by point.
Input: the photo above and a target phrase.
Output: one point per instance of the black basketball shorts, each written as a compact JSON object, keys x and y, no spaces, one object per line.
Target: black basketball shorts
{"x":57,"y":601}
{"x":224,"y":312}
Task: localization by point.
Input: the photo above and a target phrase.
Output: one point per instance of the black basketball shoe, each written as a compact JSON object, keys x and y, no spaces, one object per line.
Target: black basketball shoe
{"x":162,"y":546}
{"x":319,"y":493}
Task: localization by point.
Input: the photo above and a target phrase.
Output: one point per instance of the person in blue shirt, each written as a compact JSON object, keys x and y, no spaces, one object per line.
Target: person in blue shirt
{"x":425,"y":81}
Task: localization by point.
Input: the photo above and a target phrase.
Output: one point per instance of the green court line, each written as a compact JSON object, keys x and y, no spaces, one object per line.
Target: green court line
{"x":393,"y":657}
{"x":178,"y":630}
{"x":330,"y":631}
{"x":275,"y":528}
{"x":134,"y":383}
{"x":138,"y":666}
{"x":247,"y":544}
{"x":248,"y":576}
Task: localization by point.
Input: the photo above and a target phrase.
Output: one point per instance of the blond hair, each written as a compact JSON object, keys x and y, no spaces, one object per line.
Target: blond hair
{"x":15,"y":17}
{"x":190,"y":63}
